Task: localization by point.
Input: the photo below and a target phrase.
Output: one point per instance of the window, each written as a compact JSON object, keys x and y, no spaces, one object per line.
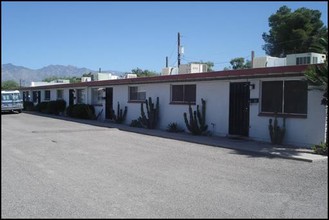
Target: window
{"x":136,"y":95}
{"x":284,"y":97}
{"x":183,"y":94}
{"x":35,"y":95}
{"x":80,"y":96}
{"x":303,"y":60}
{"x":47,"y":94}
{"x":59,"y":94}
{"x":97,"y":95}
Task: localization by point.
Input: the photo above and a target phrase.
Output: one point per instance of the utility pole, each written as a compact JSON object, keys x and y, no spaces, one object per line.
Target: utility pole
{"x":167,"y":62}
{"x":178,"y":57}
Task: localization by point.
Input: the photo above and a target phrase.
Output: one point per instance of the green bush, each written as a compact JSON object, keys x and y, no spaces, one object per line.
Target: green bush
{"x":83,"y":111}
{"x":42,"y":107}
{"x":52,"y":108}
{"x":28,"y":105}
{"x":173,"y":127}
{"x":136,"y":124}
{"x":61,"y":105}
{"x":321,"y":149}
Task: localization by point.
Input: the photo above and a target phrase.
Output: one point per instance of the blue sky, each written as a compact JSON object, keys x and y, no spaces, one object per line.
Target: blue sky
{"x":122,"y":36}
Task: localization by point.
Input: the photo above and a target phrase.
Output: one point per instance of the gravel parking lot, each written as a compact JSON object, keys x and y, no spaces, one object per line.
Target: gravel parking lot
{"x":53,"y":168}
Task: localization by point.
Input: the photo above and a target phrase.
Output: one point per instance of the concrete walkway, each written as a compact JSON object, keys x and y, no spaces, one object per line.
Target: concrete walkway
{"x":256,"y":147}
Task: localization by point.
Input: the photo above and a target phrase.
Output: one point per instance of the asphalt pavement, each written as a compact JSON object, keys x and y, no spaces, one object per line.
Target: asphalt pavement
{"x":240,"y":144}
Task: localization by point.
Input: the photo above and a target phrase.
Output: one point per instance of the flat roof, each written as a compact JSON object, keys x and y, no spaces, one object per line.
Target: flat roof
{"x":281,"y":71}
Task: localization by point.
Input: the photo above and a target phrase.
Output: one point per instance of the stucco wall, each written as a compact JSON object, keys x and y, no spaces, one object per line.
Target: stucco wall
{"x":299,"y":131}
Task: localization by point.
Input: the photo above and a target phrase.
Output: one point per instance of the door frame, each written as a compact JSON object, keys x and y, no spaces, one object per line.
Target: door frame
{"x":239,"y":108}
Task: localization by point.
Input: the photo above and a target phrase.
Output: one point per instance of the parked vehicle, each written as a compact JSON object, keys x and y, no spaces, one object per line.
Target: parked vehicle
{"x":11,"y":101}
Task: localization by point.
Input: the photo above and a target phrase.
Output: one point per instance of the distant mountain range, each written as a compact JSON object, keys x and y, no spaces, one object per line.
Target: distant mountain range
{"x":25,"y":75}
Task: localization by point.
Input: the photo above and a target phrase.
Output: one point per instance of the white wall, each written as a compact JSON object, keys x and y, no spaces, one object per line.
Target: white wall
{"x":299,"y":131}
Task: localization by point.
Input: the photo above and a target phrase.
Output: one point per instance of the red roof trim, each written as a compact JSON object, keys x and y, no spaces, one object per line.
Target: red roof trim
{"x":217,"y":75}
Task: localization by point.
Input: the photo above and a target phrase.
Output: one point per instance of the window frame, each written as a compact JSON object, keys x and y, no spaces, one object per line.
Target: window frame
{"x":284,"y":98}
{"x":47,"y":95}
{"x":140,"y":95}
{"x":184,"y":93}
{"x":60,"y":91}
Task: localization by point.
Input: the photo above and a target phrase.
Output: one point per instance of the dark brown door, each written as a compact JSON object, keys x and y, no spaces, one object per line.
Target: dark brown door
{"x":109,"y":103}
{"x":71,"y":96}
{"x":239,"y":109}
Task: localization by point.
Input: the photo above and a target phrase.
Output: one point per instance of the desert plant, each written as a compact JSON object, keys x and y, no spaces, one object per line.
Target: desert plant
{"x":321,"y":148}
{"x":120,"y":116}
{"x":151,"y":120}
{"x":173,"y":127}
{"x":197,"y":124}
{"x":136,"y":124}
{"x":277,"y":133}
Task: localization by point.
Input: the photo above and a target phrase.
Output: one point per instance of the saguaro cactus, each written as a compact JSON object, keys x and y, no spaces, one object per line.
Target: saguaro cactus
{"x":121,"y":114}
{"x":277,"y":133}
{"x":197,"y":124}
{"x":151,"y":120}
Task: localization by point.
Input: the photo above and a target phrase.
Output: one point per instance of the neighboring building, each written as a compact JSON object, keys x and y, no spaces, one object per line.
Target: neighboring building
{"x":305,"y":58}
{"x":104,"y":76}
{"x":169,"y":71}
{"x":185,"y":69}
{"x":54,"y":82}
{"x":268,"y":61}
{"x":192,"y":68}
{"x":289,"y":60}
{"x":238,"y":102}
{"x":130,"y":76}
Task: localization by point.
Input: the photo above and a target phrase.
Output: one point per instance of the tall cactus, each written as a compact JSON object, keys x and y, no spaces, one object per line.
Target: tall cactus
{"x":277,"y":133}
{"x":197,"y":124}
{"x":120,"y":116}
{"x":151,"y":120}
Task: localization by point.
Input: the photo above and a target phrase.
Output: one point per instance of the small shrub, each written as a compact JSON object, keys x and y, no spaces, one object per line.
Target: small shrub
{"x":136,"y":124}
{"x":321,"y":149}
{"x":173,"y":127}
{"x":83,"y":111}
{"x":61,"y":105}
{"x":28,"y":105}
{"x":52,"y":108}
{"x":42,"y":107}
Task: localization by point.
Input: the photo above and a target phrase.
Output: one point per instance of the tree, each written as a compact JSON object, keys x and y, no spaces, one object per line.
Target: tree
{"x":143,"y":73}
{"x":293,"y":32}
{"x":239,"y":63}
{"x":318,"y":75}
{"x":9,"y":85}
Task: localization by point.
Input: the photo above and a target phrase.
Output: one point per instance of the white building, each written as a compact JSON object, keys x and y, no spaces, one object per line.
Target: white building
{"x":192,"y":68}
{"x":54,"y":82}
{"x":289,"y":60}
{"x":185,"y":69}
{"x":104,"y":76}
{"x":238,"y":102}
{"x":305,"y":58}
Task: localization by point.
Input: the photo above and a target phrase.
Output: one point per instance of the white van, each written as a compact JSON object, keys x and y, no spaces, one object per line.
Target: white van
{"x":11,"y":101}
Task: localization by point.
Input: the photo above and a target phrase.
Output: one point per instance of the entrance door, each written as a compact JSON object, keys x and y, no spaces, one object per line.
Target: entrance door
{"x":109,"y":103}
{"x":239,"y":109}
{"x":71,"y":96}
